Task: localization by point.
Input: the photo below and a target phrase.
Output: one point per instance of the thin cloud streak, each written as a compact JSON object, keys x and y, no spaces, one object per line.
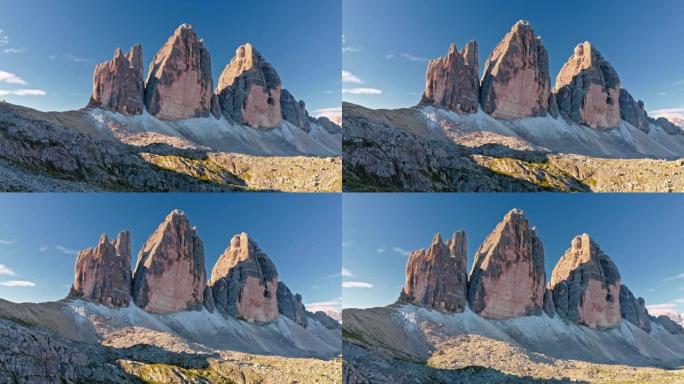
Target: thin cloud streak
{"x":362,"y":91}
{"x":17,"y":283}
{"x":356,"y":284}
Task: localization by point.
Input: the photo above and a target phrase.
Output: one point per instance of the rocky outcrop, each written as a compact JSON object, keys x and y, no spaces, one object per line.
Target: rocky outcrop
{"x":290,"y":305}
{"x":245,"y":282}
{"x":586,"y":285}
{"x":436,"y":277}
{"x":118,"y":84}
{"x":508,"y":278}
{"x":169,"y":274}
{"x":179,"y":84}
{"x":209,"y":299}
{"x":588,"y":89}
{"x":249,"y":90}
{"x":633,"y":309}
{"x":549,"y":305}
{"x":516,"y":81}
{"x":452,"y":82}
{"x":294,"y":111}
{"x":103,"y":273}
{"x":667,"y":323}
{"x":633,"y":111}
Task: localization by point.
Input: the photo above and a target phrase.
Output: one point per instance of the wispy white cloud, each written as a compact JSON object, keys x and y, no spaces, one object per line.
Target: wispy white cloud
{"x":401,"y":251}
{"x":356,"y":284}
{"x":389,"y":56}
{"x":43,"y":249}
{"x":66,"y":251}
{"x":6,"y":242}
{"x":348,"y":77}
{"x":362,"y":91}
{"x":17,"y":283}
{"x":346,"y":272}
{"x":347,"y":243}
{"x":381,"y":250}
{"x":76,"y":59}
{"x":660,"y":309}
{"x":11,"y":78}
{"x":333,"y":114}
{"x":331,"y":307}
{"x":4,"y":39}
{"x":351,"y":49}
{"x":411,"y":57}
{"x":676,"y":277}
{"x":29,"y":92}
{"x":14,"y":50}
{"x":5,"y":270}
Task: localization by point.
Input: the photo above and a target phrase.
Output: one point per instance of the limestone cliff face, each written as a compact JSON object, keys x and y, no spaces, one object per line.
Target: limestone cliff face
{"x":436,"y":277}
{"x":634,"y":309}
{"x":169,"y":274}
{"x":118,"y":84}
{"x":586,"y":285}
{"x":290,"y":305}
{"x":245,"y":282}
{"x":179,"y":84}
{"x":103,"y":273}
{"x":508,"y":278}
{"x":588,"y":89}
{"x":249,"y":90}
{"x":516,"y":81}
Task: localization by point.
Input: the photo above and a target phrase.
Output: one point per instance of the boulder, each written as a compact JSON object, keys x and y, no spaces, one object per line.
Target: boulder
{"x":245,"y":282}
{"x":508,"y":277}
{"x":179,"y":84}
{"x":118,"y":84}
{"x":516,"y":81}
{"x":633,"y":111}
{"x":249,"y":90}
{"x":436,"y":277}
{"x":290,"y":305}
{"x":452,"y":82}
{"x":294,"y":111}
{"x":588,"y":89}
{"x":169,"y":274}
{"x":103,"y":273}
{"x":633,"y":309}
{"x":586,"y":285}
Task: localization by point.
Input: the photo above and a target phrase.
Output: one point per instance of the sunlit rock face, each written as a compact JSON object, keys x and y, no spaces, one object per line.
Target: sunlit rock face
{"x":245,"y":282}
{"x":103,"y":273}
{"x":179,"y":84}
{"x":588,"y":89}
{"x":249,"y":90}
{"x":436,"y":277}
{"x":586,"y":285}
{"x":118,"y":84}
{"x":508,"y":278}
{"x":516,"y":81}
{"x":452,"y":82}
{"x":169,"y":274}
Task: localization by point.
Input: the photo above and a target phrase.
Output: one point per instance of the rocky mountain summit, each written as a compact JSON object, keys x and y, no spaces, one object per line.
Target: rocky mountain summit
{"x":516,"y":326}
{"x":513,"y":129}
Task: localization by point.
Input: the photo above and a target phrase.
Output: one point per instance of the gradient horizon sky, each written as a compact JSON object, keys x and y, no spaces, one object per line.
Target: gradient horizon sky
{"x":53,"y":46}
{"x":642,"y":233}
{"x":41,"y":233}
{"x":387,"y":43}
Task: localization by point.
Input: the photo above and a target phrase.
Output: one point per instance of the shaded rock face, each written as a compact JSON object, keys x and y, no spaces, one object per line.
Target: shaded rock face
{"x":549,"y":305}
{"x":586,"y":285}
{"x":516,"y":81}
{"x":668,"y":126}
{"x":633,"y":111}
{"x":169,"y":274}
{"x":103,"y":273}
{"x":633,"y":309}
{"x":290,"y":305}
{"x":588,"y":89}
{"x":324,"y":319}
{"x":249,"y":90}
{"x":294,"y":111}
{"x":668,"y":324}
{"x":179,"y":84}
{"x":209,"y":299}
{"x":452,"y":82}
{"x":436,"y":277}
{"x":118,"y":84}
{"x":508,"y":278}
{"x":245,"y":282}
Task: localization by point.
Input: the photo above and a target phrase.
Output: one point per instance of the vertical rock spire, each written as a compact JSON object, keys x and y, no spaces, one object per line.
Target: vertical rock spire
{"x":118,"y":84}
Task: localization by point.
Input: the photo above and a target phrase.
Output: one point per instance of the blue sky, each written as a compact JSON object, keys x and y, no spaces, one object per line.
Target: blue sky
{"x":40,"y":233}
{"x":52,"y":46}
{"x":387,"y":43}
{"x":642,"y":233}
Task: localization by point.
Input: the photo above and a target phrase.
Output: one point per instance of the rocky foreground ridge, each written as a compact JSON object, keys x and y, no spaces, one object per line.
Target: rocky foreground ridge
{"x":167,"y":321}
{"x":465,"y":126}
{"x":583,"y":316}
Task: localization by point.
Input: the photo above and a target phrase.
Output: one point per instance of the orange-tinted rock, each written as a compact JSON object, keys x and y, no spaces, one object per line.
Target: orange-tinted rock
{"x":103,"y":273}
{"x":452,"y":82}
{"x":588,"y":89}
{"x":516,"y":81}
{"x":586,"y":285}
{"x":169,"y":274}
{"x":436,"y":277}
{"x":508,"y":278}
{"x":245,"y":282}
{"x":249,"y":90}
{"x":179,"y":84}
{"x":118,"y":84}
